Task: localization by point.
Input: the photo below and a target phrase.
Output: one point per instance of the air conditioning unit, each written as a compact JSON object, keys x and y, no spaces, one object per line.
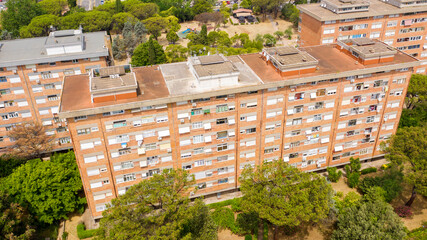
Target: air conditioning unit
{"x":182,"y":121}
{"x":169,"y":150}
{"x":14,"y":71}
{"x":34,"y":69}
{"x":38,"y":81}
{"x":194,"y":104}
{"x":319,"y":165}
{"x":292,"y":89}
{"x":160,"y":138}
{"x":225,"y":99}
{"x":351,"y":80}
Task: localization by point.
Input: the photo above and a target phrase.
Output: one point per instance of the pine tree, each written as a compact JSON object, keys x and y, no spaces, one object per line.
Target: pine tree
{"x":119,"y":6}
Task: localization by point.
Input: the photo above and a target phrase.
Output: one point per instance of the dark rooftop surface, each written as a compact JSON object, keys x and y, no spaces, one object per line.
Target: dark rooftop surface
{"x":150,"y":81}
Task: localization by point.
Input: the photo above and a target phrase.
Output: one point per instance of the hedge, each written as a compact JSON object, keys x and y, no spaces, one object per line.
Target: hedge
{"x":224,"y":218}
{"x":368,"y":170}
{"x":82,"y":233}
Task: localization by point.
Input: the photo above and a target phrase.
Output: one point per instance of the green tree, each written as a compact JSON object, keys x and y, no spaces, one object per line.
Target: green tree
{"x":15,"y":222}
{"x":172,"y":37}
{"x":369,"y":220}
{"x":40,"y":26}
{"x":72,"y":3}
{"x":289,"y":32}
{"x":155,"y":25}
{"x":109,"y":7}
{"x":118,"y":48}
{"x":417,"y":90}
{"x":409,"y":147}
{"x":119,"y":6}
{"x":176,"y":53}
{"x":269,"y":40}
{"x":160,"y":209}
{"x":291,"y":13}
{"x":54,"y":7}
{"x":390,"y":181}
{"x":173,"y":24}
{"x":72,"y":21}
{"x":283,"y":195}
{"x":354,"y":166}
{"x":148,"y":53}
{"x":96,"y":21}
{"x":140,"y":31}
{"x":350,"y":199}
{"x":333,"y":174}
{"x":18,"y":14}
{"x":145,"y":10}
{"x":119,"y":20}
{"x":201,"y":6}
{"x":8,"y":163}
{"x":246,"y":4}
{"x":48,"y":189}
{"x":278,"y":34}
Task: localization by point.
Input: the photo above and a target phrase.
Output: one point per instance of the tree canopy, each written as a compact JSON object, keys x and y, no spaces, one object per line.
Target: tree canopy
{"x":31,"y":140}
{"x":409,"y":146}
{"x":148,"y":53}
{"x":18,"y":14}
{"x":369,"y":220}
{"x":283,"y":195}
{"x":48,"y":189}
{"x":158,"y":208}
{"x":54,"y":7}
{"x":15,"y":222}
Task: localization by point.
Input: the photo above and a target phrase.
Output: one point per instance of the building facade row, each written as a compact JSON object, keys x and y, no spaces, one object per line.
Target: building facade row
{"x":31,"y":74}
{"x":312,"y":107}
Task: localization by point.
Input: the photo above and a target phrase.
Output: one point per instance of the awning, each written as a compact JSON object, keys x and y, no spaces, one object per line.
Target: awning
{"x":164,"y":133}
{"x":408,"y":22}
{"x":207,"y":126}
{"x":183,"y":115}
{"x":231,"y":121}
{"x":208,"y":139}
{"x":184,"y":130}
{"x":338,"y":148}
{"x":313,"y":95}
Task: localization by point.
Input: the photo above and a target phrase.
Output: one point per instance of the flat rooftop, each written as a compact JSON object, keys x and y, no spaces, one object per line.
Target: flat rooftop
{"x":175,"y":82}
{"x":110,"y":79}
{"x":367,"y":47}
{"x":376,"y":8}
{"x":331,"y":62}
{"x":208,"y":66}
{"x":33,"y":50}
{"x":290,"y":57}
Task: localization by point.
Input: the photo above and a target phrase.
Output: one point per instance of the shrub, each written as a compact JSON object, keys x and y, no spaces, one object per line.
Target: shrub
{"x":82,"y":233}
{"x":353,"y":179}
{"x":350,"y":199}
{"x":391,"y":182}
{"x":333,"y":174}
{"x":368,"y":170}
{"x":248,"y":237}
{"x":403,"y":211}
{"x":235,"y":205}
{"x":385,"y":166}
{"x":224,"y":218}
{"x":340,"y":194}
{"x":418,"y":233}
{"x":64,"y":235}
{"x":354,"y":166}
{"x":248,"y":222}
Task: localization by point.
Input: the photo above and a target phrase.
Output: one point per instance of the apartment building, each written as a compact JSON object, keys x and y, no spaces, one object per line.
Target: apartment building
{"x":31,"y":73}
{"x":399,"y":23}
{"x":213,"y":115}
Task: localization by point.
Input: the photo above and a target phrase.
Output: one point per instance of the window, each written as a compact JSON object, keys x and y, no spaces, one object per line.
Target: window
{"x":122,"y":138}
{"x":317,"y":117}
{"x":268,"y":150}
{"x":124,"y":151}
{"x":375,"y":95}
{"x":222,"y":158}
{"x":126,"y":165}
{"x":293,"y":155}
{"x":296,"y":121}
{"x":196,"y":111}
{"x":327,"y":40}
{"x":295,"y":144}
{"x":328,"y":30}
{"x":222,"y":147}
{"x":350,"y":133}
{"x":197,"y":125}
{"x":251,"y":130}
{"x":222,"y":134}
{"x":52,"y":97}
{"x":318,"y":105}
{"x":222,"y":108}
{"x":321,"y":92}
{"x":372,"y":108}
{"x":153,"y":160}
{"x":374,"y":35}
{"x":370,"y":119}
{"x":391,"y":23}
{"x":221,"y":121}
{"x":296,"y":132}
{"x":198,"y":139}
{"x":298,"y":109}
{"x":121,"y":123}
{"x":315,"y":129}
{"x":153,"y":172}
{"x":352,"y":122}
{"x":150,"y":146}
{"x":198,"y":151}
{"x":113,"y":113}
{"x":376,"y":25}
{"x":299,"y":96}
{"x":83,"y":131}
{"x":222,"y":180}
{"x":129,"y":177}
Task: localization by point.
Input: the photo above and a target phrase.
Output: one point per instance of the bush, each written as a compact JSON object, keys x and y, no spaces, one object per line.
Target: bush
{"x":391,"y":182}
{"x":64,"y":235}
{"x":333,"y":174}
{"x":354,"y":166}
{"x":418,"y":233}
{"x":82,"y":233}
{"x":248,"y":237}
{"x":385,"y":166}
{"x":368,"y":170}
{"x":353,"y":179}
{"x":235,"y":204}
{"x":403,"y":211}
{"x":247,"y":222}
{"x":224,"y":218}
